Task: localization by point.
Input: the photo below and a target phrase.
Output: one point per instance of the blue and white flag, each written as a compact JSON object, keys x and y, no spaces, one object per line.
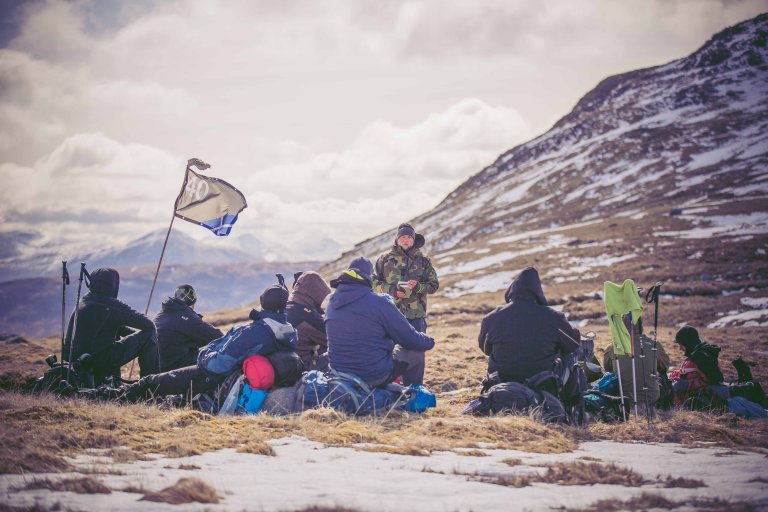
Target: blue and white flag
{"x":208,"y":202}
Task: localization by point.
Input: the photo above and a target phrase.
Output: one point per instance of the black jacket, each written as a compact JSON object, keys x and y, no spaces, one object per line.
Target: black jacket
{"x":102,"y":318}
{"x":705,"y":356}
{"x":180,"y":334}
{"x":522,"y":338}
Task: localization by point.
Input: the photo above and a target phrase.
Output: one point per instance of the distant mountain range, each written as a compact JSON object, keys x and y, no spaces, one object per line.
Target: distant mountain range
{"x":24,"y":255}
{"x":659,"y":172}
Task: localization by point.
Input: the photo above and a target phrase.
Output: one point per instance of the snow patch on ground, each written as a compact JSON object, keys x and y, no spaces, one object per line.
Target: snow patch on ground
{"x":304,"y":474}
{"x":488,"y":283}
{"x":755,"y":223}
{"x":751,"y":318}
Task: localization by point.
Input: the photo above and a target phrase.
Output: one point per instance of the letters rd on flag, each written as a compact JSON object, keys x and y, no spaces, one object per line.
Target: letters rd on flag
{"x":209,"y":202}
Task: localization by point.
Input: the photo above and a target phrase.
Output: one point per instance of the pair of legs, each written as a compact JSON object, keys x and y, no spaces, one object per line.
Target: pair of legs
{"x":123,"y":351}
{"x":413,"y":369}
{"x":187,"y":381}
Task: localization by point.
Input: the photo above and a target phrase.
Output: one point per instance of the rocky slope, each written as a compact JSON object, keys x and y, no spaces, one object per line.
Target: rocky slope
{"x":656,"y":174}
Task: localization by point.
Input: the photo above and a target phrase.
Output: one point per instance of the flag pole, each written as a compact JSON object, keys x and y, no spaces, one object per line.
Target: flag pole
{"x":160,"y":261}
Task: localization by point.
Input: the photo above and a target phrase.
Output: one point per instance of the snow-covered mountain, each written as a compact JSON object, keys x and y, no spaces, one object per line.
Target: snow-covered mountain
{"x":656,"y":170}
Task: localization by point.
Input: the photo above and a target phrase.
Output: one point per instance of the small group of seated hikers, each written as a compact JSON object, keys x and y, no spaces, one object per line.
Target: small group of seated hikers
{"x":535,"y":356}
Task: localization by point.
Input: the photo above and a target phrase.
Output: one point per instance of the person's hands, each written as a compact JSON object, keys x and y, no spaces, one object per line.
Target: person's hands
{"x":400,"y":294}
{"x":412,"y":283}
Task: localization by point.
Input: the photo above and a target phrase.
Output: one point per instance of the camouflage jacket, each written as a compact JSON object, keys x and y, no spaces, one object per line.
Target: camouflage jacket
{"x":399,"y":265}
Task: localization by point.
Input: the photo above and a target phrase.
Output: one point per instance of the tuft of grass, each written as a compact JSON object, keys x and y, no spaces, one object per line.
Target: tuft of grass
{"x":512,"y":462}
{"x":84,"y":485}
{"x":572,"y":473}
{"x":649,"y":501}
{"x":256,"y":447}
{"x":186,"y":490}
{"x":683,"y":483}
{"x":186,"y":467}
{"x":471,"y":453}
{"x":398,"y":450}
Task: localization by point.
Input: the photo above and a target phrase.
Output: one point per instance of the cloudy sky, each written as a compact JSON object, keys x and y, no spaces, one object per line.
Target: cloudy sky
{"x":337,"y":118}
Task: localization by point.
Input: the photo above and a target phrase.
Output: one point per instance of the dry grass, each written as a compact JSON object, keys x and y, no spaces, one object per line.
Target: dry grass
{"x":683,"y":483}
{"x":186,"y":490}
{"x":650,"y":501}
{"x":85,"y":485}
{"x":570,"y":473}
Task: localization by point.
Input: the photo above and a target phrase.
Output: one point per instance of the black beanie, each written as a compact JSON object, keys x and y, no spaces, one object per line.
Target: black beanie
{"x":274,"y":298}
{"x":688,"y":337}
{"x":405,"y":230}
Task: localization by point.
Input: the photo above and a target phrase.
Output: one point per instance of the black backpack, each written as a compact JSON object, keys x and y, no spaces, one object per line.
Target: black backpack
{"x":288,"y":368}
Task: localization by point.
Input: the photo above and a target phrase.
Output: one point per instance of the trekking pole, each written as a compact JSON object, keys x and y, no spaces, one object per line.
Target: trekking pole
{"x":645,"y":381}
{"x":621,"y":386}
{"x":64,"y":283}
{"x":74,"y":320}
{"x":632,"y":354}
{"x":653,"y":296}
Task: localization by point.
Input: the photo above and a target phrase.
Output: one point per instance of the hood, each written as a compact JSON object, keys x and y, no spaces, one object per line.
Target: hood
{"x":712,"y":351}
{"x":526,"y":286}
{"x":347,"y":293}
{"x":256,"y":315}
{"x":105,"y":281}
{"x":310,"y":289}
{"x":174,"y":304}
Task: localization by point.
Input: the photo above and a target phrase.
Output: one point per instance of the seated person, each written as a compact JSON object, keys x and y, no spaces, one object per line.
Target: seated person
{"x":305,"y":314}
{"x":523,"y":338}
{"x":699,"y":370}
{"x":268,"y":332}
{"x":181,"y":331}
{"x":101,"y":319}
{"x":363,"y":328}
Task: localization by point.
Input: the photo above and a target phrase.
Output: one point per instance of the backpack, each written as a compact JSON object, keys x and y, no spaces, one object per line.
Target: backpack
{"x":211,"y":401}
{"x":747,"y":387}
{"x":64,"y":378}
{"x":288,"y":368}
{"x":539,"y":391}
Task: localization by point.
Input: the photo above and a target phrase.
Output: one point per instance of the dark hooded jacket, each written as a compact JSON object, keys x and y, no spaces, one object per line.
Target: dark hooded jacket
{"x":102,"y":318}
{"x":268,"y":332}
{"x":305,"y":313}
{"x":363,"y":328}
{"x":522,"y":338}
{"x":706,"y":356}
{"x":180,"y":334}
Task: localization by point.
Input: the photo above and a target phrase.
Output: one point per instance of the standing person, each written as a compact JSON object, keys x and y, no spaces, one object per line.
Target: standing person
{"x":523,"y":338}
{"x":101,"y":321}
{"x":268,"y":332}
{"x":408,"y":276}
{"x":363,"y":328}
{"x":305,"y":313}
{"x":181,"y":331}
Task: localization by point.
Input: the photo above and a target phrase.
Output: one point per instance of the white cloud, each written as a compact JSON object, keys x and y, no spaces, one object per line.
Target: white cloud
{"x":334,"y":117}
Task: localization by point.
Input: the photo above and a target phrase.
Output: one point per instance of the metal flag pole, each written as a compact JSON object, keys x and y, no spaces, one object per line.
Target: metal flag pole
{"x":162,"y":253}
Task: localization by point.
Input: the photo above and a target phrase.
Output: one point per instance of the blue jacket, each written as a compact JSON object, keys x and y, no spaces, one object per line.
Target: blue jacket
{"x":269,"y":332}
{"x":363,"y":328}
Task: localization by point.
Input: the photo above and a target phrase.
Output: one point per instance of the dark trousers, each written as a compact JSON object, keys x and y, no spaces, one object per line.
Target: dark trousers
{"x":139,"y":344}
{"x":187,"y":381}
{"x":415,"y":359}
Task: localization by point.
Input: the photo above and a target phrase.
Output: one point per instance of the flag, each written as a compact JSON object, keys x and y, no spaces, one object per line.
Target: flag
{"x":208,"y":202}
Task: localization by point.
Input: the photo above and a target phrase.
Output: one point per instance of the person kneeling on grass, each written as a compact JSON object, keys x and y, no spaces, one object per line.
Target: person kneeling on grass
{"x":363,"y":328}
{"x":268,"y":332}
{"x":700,"y":370}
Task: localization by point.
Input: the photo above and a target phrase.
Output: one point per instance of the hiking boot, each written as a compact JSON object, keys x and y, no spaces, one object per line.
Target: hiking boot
{"x":103,"y":394}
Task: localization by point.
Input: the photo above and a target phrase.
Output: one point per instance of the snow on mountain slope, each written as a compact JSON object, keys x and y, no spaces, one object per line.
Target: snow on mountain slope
{"x":650,"y":167}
